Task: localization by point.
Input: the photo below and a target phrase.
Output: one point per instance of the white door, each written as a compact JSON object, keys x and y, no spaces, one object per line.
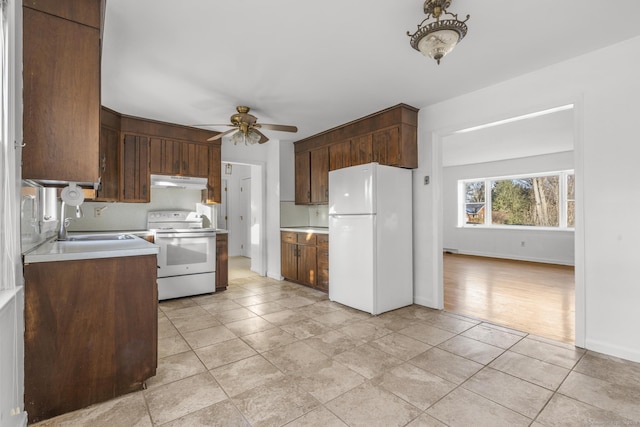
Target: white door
{"x":351,"y":256}
{"x":245,"y":217}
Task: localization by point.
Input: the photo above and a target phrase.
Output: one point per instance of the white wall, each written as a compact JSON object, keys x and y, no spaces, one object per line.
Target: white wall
{"x":604,"y":85}
{"x":551,"y":246}
{"x":287,"y":172}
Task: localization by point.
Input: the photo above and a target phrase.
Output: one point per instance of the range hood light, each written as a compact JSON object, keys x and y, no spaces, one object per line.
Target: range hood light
{"x":178,"y":182}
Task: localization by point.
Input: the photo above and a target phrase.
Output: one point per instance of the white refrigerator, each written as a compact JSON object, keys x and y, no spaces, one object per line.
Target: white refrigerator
{"x":370,"y":237}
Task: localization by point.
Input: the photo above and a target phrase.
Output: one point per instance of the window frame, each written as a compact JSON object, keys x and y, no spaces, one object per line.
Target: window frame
{"x":563,"y":200}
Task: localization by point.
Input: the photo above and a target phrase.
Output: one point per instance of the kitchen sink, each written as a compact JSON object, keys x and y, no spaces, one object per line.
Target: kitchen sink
{"x":99,"y":237}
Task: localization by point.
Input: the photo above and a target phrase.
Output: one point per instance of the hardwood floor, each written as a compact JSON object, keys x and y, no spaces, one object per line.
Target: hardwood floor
{"x":532,"y":297}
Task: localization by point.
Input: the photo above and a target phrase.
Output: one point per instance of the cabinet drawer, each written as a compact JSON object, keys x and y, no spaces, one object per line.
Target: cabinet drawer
{"x":306,"y":238}
{"x":289,"y":237}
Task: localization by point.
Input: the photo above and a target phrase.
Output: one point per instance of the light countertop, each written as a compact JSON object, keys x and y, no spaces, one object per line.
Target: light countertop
{"x":68,"y":250}
{"x":315,"y":230}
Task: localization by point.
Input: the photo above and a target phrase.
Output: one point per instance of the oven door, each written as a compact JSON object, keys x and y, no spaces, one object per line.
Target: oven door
{"x":184,"y":253}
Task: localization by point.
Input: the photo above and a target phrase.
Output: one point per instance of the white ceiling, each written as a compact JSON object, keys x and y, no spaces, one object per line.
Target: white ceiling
{"x":320,"y":64}
{"x":546,"y":134}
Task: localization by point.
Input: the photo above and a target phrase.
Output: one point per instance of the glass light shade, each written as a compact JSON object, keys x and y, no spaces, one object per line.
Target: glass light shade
{"x":253,"y":138}
{"x":438,"y":43}
{"x":249,"y":139}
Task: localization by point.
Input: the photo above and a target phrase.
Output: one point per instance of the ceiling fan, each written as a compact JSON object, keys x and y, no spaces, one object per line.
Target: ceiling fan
{"x":245,"y":128}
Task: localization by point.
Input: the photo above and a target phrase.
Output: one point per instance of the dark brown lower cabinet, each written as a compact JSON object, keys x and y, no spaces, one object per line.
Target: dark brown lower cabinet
{"x":302,"y":260}
{"x":91,"y":331}
{"x":323,"y":262}
{"x":222,"y":261}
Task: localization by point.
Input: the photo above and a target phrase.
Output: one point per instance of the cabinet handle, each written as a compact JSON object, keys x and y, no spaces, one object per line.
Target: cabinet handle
{"x":176,"y":166}
{"x":104,"y":163}
{"x":144,"y":190}
{"x":309,"y":195}
{"x":184,"y":166}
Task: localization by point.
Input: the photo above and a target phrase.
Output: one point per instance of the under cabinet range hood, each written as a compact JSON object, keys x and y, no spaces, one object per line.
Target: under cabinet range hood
{"x":184,"y":182}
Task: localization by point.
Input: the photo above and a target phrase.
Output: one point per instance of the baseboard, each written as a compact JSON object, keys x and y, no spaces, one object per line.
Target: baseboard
{"x":511,"y":257}
{"x":626,"y":353}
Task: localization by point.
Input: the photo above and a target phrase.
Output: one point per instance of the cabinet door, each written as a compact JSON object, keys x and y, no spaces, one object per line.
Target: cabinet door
{"x":214,"y":181}
{"x":222,"y":262}
{"x":303,"y":178}
{"x":340,"y":155}
{"x":289,"y":260}
{"x":323,"y":262}
{"x":164,"y":156}
{"x":320,"y":175}
{"x":307,"y":266}
{"x":195,"y":160}
{"x":109,"y":162}
{"x":61,"y":99}
{"x":361,"y":150}
{"x":134,"y":176}
{"x":386,"y":147}
{"x":90,"y":331}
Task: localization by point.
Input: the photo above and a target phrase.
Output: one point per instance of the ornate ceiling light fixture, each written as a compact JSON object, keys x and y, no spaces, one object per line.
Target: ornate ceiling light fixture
{"x":438,"y":38}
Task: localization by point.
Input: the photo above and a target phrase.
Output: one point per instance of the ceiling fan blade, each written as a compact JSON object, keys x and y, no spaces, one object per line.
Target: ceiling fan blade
{"x":220,"y":135}
{"x":282,"y":128}
{"x":263,"y":138}
{"x":212,"y":124}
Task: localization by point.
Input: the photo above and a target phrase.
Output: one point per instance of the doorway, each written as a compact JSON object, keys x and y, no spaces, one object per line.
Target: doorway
{"x":494,"y":269}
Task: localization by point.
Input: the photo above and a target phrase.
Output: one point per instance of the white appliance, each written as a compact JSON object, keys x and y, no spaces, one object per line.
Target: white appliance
{"x":370,"y":237}
{"x":187,"y":258}
{"x":180,"y":182}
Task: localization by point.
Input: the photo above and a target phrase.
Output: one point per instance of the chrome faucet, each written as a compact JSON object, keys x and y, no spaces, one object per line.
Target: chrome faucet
{"x":64,"y":222}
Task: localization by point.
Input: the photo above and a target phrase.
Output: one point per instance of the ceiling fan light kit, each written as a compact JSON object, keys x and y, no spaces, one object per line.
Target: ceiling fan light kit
{"x":438,"y":38}
{"x":246,"y":128}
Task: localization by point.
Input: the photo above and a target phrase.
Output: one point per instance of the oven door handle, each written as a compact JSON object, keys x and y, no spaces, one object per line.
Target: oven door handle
{"x":184,"y":235}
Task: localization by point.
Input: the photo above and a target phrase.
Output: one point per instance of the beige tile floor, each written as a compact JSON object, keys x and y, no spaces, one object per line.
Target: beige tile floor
{"x":270,"y":353}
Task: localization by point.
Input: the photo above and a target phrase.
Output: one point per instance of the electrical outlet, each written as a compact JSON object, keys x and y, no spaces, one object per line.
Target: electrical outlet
{"x":97,"y":212}
{"x":426,"y":180}
{"x":522,"y":244}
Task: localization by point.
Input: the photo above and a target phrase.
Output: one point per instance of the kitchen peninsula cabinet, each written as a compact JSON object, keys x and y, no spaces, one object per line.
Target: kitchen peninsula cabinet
{"x":303,"y":255}
{"x":222,"y":261}
{"x":90,"y":331}
{"x":61,"y":90}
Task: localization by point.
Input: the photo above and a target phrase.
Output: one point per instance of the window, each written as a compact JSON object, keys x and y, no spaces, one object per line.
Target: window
{"x":541,"y":200}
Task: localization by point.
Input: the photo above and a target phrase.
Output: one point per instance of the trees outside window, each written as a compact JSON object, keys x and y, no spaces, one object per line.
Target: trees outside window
{"x":533,"y":201}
